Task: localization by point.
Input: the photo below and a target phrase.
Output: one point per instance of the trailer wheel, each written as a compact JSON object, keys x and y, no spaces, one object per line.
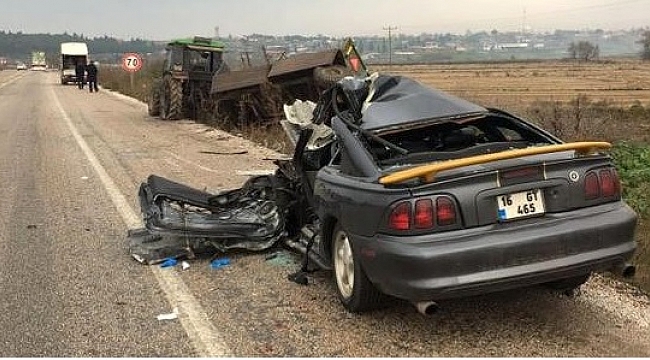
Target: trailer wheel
{"x":171,"y":99}
{"x":326,"y":76}
{"x":154,"y":99}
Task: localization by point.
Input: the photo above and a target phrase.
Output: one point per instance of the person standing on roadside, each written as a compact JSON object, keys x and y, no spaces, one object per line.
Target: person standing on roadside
{"x":79,"y":70}
{"x":91,"y":70}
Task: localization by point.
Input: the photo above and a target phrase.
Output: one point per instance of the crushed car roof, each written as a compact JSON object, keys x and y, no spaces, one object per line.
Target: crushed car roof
{"x":417,"y":104}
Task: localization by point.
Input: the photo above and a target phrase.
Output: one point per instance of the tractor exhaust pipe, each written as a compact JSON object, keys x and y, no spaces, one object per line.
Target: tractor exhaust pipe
{"x":426,"y":307}
{"x":626,"y":270}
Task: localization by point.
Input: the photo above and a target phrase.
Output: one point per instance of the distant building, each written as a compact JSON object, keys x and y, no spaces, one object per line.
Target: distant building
{"x":513,"y":46}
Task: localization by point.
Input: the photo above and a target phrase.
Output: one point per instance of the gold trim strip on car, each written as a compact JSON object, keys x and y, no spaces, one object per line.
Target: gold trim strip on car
{"x":428,"y":172}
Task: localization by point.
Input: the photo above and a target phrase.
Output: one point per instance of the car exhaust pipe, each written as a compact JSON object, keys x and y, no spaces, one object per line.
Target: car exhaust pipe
{"x":626,"y":270}
{"x":426,"y":307}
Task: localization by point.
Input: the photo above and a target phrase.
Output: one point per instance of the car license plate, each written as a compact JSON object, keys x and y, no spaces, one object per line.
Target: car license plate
{"x":521,"y":204}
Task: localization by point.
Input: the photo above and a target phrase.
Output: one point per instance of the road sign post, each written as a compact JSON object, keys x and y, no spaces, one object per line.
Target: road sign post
{"x":132,"y":63}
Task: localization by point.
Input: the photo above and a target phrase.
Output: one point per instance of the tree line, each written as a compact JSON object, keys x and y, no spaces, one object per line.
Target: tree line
{"x":645,"y":42}
{"x":585,"y":50}
{"x":19,"y":45}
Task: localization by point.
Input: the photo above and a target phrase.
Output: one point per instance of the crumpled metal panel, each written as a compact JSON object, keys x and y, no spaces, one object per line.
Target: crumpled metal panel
{"x":151,"y":249}
{"x":397,"y":102}
{"x":245,"y":218}
{"x":255,"y":76}
{"x":240,"y":79}
{"x":306,"y":61}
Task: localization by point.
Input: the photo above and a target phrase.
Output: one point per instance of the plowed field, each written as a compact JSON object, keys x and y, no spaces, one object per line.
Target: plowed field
{"x":515,"y":85}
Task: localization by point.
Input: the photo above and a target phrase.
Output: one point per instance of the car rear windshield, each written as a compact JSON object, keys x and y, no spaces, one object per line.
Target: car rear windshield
{"x":457,"y":139}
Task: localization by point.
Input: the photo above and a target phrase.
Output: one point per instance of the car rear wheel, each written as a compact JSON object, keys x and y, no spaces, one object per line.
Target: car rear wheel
{"x":356,"y":292}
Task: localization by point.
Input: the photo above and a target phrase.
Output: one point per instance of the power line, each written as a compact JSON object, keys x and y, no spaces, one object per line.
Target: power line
{"x":390,"y":43}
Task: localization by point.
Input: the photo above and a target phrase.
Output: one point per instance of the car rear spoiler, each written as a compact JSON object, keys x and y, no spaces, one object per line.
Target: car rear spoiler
{"x":428,"y":172}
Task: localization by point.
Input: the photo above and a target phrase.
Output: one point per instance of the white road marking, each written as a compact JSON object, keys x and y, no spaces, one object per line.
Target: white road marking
{"x":205,"y":338}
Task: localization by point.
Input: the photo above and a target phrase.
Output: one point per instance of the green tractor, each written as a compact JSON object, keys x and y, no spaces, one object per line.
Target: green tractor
{"x":185,"y":86}
{"x":200,"y":82}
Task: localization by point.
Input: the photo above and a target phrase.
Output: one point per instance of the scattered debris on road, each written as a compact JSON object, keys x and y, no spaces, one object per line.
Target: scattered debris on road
{"x":171,"y":316}
{"x":241,"y":152}
{"x":219,"y":263}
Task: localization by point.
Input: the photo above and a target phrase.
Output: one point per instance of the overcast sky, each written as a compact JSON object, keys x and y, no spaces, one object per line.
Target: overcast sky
{"x":166,"y":19}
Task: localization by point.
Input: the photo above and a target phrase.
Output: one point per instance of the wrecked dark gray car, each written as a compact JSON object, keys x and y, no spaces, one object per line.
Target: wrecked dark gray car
{"x":409,"y":192}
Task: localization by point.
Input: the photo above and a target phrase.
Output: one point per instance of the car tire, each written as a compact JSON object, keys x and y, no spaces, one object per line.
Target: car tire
{"x":326,"y":76}
{"x":568,"y":286}
{"x":355,"y":291}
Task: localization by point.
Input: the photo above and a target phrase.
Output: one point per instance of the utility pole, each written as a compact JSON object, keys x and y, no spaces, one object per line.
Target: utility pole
{"x":390,"y":43}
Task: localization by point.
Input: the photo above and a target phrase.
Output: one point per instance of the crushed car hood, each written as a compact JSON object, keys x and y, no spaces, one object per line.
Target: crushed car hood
{"x":399,"y":102}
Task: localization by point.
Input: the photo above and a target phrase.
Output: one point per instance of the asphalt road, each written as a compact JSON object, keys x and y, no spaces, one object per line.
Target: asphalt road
{"x":70,"y":166}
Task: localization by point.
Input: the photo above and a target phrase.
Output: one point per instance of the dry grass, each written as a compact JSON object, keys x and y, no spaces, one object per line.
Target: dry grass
{"x":115,"y":78}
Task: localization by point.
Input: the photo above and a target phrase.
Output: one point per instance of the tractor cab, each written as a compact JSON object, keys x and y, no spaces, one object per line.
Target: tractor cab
{"x":197,"y":58}
{"x":187,"y":76}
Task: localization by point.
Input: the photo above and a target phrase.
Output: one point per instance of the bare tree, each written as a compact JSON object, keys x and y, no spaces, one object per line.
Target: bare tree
{"x":583,"y":50}
{"x":645,"y":41}
{"x":573,"y":50}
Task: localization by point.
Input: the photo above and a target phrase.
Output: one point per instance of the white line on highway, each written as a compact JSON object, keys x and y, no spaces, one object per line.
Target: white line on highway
{"x":204,"y":336}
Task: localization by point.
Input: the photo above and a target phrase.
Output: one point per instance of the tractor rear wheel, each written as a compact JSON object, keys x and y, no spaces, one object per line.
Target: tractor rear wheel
{"x":171,"y":99}
{"x":154,"y":98}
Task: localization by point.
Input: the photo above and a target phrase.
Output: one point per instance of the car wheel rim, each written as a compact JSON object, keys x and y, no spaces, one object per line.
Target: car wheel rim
{"x":344,"y":264}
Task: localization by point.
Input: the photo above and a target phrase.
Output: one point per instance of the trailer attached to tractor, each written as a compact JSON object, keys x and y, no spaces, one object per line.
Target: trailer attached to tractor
{"x":198,"y":82}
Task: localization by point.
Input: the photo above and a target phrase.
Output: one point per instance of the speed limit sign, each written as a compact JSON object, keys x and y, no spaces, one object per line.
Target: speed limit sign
{"x":131,"y":62}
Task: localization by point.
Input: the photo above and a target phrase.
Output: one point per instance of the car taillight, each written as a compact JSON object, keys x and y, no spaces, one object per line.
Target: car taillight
{"x":445,"y":211}
{"x":400,"y":217}
{"x":608,"y":183}
{"x":424,"y":214}
{"x":592,"y":188}
{"x":605,"y":183}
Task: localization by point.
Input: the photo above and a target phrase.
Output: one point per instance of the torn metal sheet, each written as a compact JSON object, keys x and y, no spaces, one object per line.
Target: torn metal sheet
{"x":250,"y":218}
{"x":151,"y":249}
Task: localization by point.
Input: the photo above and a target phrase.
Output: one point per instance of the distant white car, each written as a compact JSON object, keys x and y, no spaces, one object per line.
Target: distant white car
{"x":21,"y":66}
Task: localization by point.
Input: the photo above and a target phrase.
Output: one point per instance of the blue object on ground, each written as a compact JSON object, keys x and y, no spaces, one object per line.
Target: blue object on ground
{"x":219,"y":263}
{"x":168,"y":262}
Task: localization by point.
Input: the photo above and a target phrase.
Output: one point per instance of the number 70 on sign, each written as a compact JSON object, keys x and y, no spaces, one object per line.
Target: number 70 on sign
{"x":131,"y":62}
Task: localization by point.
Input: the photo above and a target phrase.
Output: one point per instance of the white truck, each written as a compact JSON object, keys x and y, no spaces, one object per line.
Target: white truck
{"x":72,"y":53}
{"x":39,"y":61}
